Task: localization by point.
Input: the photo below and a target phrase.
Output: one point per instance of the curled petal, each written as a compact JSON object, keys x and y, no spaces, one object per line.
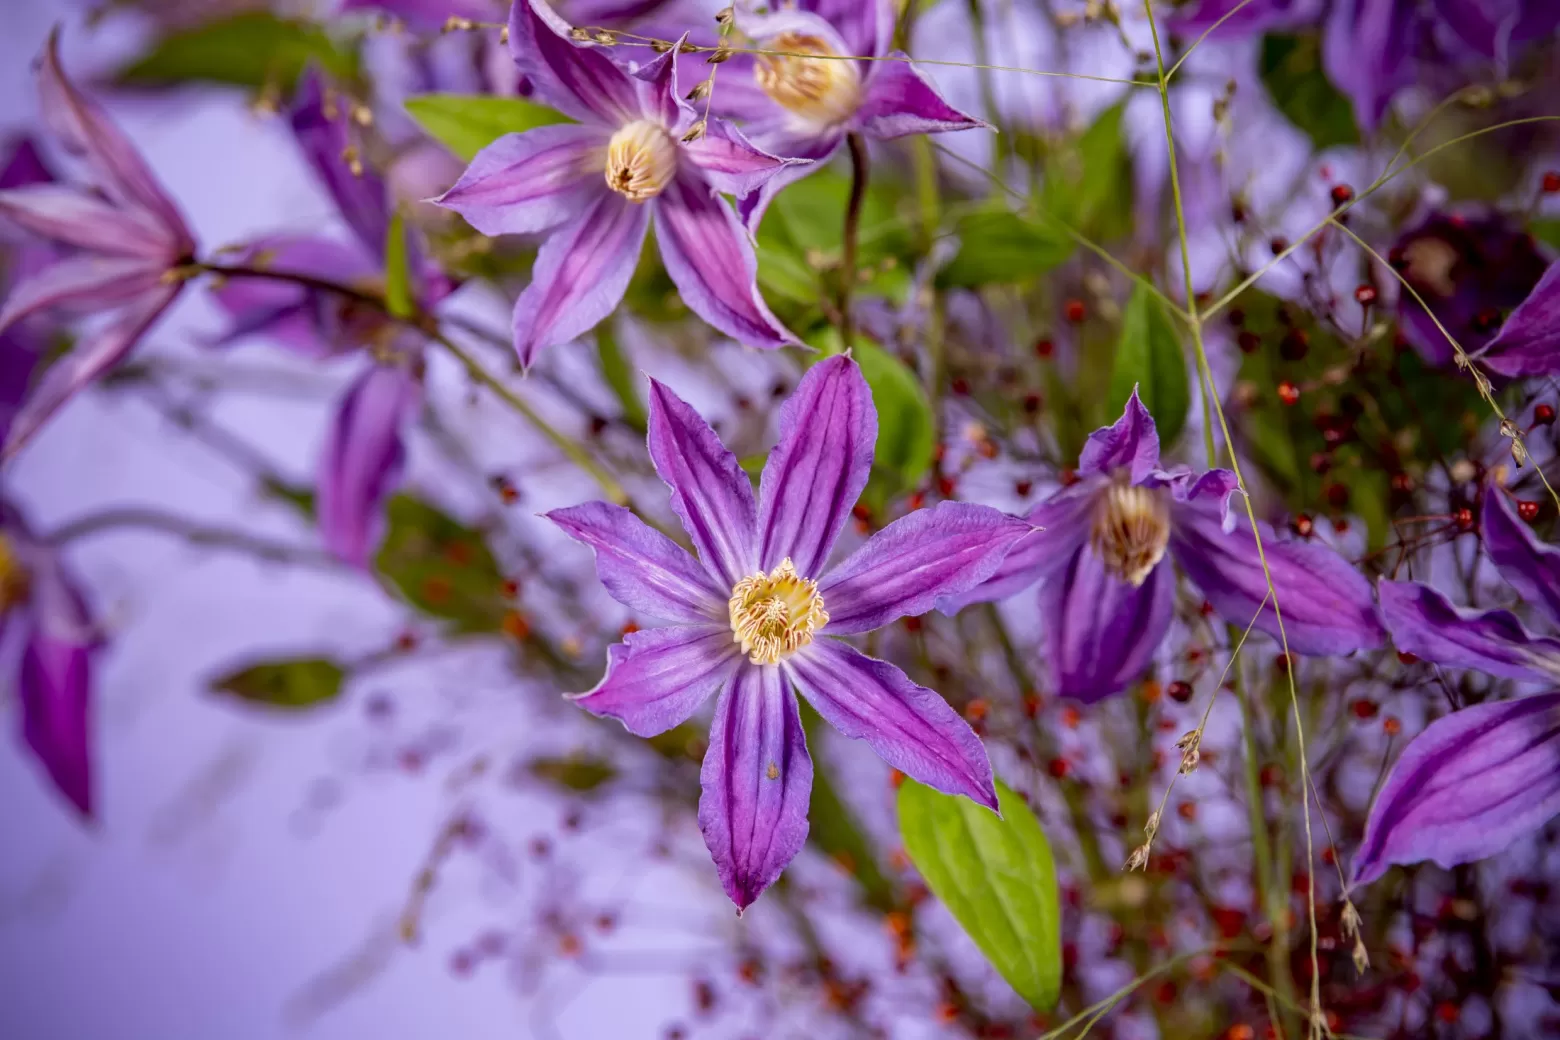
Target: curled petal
{"x":1326,"y":604}
{"x":731,"y":163}
{"x":580,"y":275}
{"x":812,"y":479}
{"x":757,"y":781}
{"x":55,"y":682}
{"x":576,"y":79}
{"x":523,"y":183}
{"x":1425,"y":623}
{"x":363,"y":459}
{"x":1528,"y":565}
{"x":710,"y":259}
{"x":322,"y":125}
{"x":642,"y":568}
{"x":657,"y":677}
{"x":906,"y":568}
{"x":75,"y":218}
{"x":900,"y":101}
{"x":1058,"y":527}
{"x":1467,"y":787}
{"x":90,"y":359}
{"x":86,"y":280}
{"x":710,"y":494}
{"x":1528,"y":344}
{"x":85,"y":130}
{"x":1130,"y":443}
{"x":1101,"y":632}
{"x":659,"y":98}
{"x":910,"y":727}
{"x":809,"y":152}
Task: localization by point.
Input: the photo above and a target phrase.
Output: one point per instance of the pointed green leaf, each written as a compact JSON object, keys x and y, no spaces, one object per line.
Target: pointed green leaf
{"x":1149,"y":357}
{"x":299,"y":683}
{"x":997,"y":245}
{"x":255,"y":49}
{"x":468,"y":123}
{"x":1088,"y":181}
{"x":997,"y":878}
{"x":398,"y":279}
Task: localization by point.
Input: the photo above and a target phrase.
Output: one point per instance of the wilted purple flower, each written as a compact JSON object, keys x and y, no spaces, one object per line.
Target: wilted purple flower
{"x":1479,"y":778}
{"x":42,"y":610}
{"x":748,"y":613}
{"x":638,"y":149}
{"x":1470,"y":270}
{"x":127,"y":235}
{"x":803,"y":106}
{"x":1107,"y":600}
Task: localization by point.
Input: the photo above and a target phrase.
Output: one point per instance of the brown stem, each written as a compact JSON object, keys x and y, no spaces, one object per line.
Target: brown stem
{"x":858,"y":193}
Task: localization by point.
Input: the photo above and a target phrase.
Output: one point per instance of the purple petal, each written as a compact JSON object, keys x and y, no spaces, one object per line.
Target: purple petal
{"x":1528,"y":344}
{"x":90,"y":359}
{"x":731,"y":163}
{"x":1059,"y":526}
{"x":657,"y":677}
{"x":1246,"y":17}
{"x":1131,"y":443}
{"x":1326,"y":604}
{"x":85,"y":131}
{"x":643,"y":569}
{"x":75,"y":218}
{"x":910,"y":727}
{"x":581,"y":274}
{"x":757,"y":781}
{"x":1364,"y":53}
{"x":22,"y":165}
{"x":1101,"y":632}
{"x":865,"y":26}
{"x":363,"y":459}
{"x":55,"y":682}
{"x":89,"y":279}
{"x":710,"y":259}
{"x":1467,"y":787}
{"x":899,"y":101}
{"x":425,"y":15}
{"x":322,"y":125}
{"x":710,"y":494}
{"x":906,"y":568}
{"x":523,"y":183}
{"x":659,"y":98}
{"x":1528,"y":565}
{"x":800,"y":20}
{"x":576,"y":79}
{"x":815,"y":149}
{"x":1213,"y":488}
{"x":1425,"y":623}
{"x":812,"y":479}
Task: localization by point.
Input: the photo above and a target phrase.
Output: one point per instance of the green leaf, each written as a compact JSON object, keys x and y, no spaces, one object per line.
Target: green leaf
{"x":1149,"y":357}
{"x":442,"y":567}
{"x":579,"y":773}
{"x":1547,"y":231}
{"x":398,"y":279}
{"x":468,"y":123}
{"x":255,"y":49}
{"x":621,"y":377}
{"x":996,"y":877}
{"x":298,"y":683}
{"x":1089,"y":181}
{"x":997,"y":245}
{"x":1291,"y":70}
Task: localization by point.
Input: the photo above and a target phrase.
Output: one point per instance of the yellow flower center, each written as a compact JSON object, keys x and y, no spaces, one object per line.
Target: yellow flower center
{"x":1130,"y":532}
{"x":641,"y":158}
{"x":13,"y":577}
{"x":825,"y":89}
{"x":774,"y":615}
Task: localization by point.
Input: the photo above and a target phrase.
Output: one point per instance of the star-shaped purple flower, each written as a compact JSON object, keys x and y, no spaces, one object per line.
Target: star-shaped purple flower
{"x":749,"y":618}
{"x":805,"y":106}
{"x":1476,"y":780}
{"x":639,"y":149}
{"x":1107,"y":599}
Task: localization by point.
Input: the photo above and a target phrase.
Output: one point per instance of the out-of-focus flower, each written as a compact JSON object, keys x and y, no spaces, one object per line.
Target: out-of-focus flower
{"x":638,"y":149}
{"x":1470,"y":270}
{"x":1528,"y":343}
{"x":747,"y":616}
{"x":1493,"y":29}
{"x":1107,"y":600}
{"x":127,"y":238}
{"x":1479,"y":778}
{"x":1238,"y":18}
{"x":364,"y":452}
{"x":433,"y":15}
{"x":838,"y":74}
{"x":42,"y":609}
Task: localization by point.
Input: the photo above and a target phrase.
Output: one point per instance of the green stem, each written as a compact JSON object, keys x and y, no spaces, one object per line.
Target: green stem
{"x":204,"y":535}
{"x":619,"y":376}
{"x":859,"y":171}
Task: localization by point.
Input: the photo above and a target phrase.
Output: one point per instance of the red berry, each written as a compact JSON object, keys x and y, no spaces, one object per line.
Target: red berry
{"x":1074,"y":311}
{"x":1248,"y":341}
{"x":1543,"y":414}
{"x":1180,"y":691}
{"x":1365,"y":295}
{"x":1338,"y":495}
{"x":1464,"y":519}
{"x":1552,"y":182}
{"x":1404,"y":657}
{"x":1527,"y":510}
{"x":1057,"y":767}
{"x":1302,"y":525}
{"x":1364,"y":708}
{"x":1043,"y":348}
{"x":1342,"y":193}
{"x":1278,"y":244}
{"x":1288,"y":393}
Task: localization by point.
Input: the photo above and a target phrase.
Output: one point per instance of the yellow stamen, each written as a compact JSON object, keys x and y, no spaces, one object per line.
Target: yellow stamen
{"x":825,"y":90}
{"x":641,"y":159}
{"x":1131,"y":530}
{"x":1429,"y":263}
{"x":774,"y":615}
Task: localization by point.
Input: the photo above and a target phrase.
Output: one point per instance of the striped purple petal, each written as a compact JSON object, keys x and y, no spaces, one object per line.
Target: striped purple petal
{"x":642,"y":568}
{"x":1528,"y":565}
{"x":322,"y":125}
{"x":898,"y":100}
{"x":75,"y":218}
{"x":1426,"y":624}
{"x":657,"y":677}
{"x":85,"y":281}
{"x":363,"y":459}
{"x":1130,"y":443}
{"x":1059,"y":527}
{"x":575,"y":78}
{"x":529,"y":182}
{"x":1101,"y":632}
{"x":1528,"y":344}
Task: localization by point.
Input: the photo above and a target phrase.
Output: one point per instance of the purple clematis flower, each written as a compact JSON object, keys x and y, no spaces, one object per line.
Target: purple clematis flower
{"x":1479,"y":778}
{"x":364,"y":452}
{"x":127,"y":238}
{"x":42,"y":609}
{"x":1528,"y":343}
{"x":748,"y":615}
{"x":1107,"y":600}
{"x":805,"y":106}
{"x":1470,"y":270}
{"x":638,"y":150}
